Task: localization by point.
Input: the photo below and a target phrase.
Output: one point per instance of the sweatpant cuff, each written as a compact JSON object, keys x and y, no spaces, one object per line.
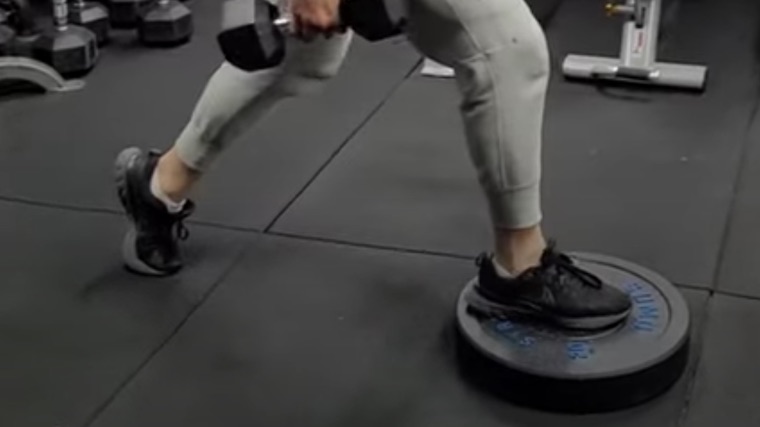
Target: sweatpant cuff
{"x":516,"y":209}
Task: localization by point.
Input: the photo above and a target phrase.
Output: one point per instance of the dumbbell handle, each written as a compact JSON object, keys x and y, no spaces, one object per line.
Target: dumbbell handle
{"x":633,"y":9}
{"x":283,"y":23}
{"x":61,"y":14}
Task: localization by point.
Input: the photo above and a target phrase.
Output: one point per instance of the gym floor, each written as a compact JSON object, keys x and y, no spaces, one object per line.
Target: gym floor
{"x":332,"y":240}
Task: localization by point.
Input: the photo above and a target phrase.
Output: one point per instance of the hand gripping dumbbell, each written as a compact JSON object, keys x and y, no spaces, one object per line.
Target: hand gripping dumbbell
{"x":253,"y":31}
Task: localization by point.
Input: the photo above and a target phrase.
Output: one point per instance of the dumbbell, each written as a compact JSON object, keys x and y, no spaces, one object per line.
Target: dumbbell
{"x":253,"y":31}
{"x":167,"y":23}
{"x":69,"y":49}
{"x":159,"y":22}
{"x":92,"y":16}
{"x":125,"y":14}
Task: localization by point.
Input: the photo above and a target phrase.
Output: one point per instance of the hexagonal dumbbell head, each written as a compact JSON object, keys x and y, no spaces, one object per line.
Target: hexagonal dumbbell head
{"x":92,"y":16}
{"x":71,"y":51}
{"x":126,"y":13}
{"x":168,"y":23}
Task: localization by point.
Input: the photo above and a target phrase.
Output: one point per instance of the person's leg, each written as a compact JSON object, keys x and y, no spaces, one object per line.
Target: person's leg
{"x":153,"y":187}
{"x":501,"y":62}
{"x":502,"y":73}
{"x":235,"y":100}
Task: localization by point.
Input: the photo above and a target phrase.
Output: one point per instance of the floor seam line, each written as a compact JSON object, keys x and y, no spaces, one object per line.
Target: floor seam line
{"x":342,"y":146}
{"x":728,"y":226}
{"x":100,"y":409}
{"x":380,"y":247}
{"x":14,"y":200}
{"x":316,"y":239}
{"x":736,"y":295}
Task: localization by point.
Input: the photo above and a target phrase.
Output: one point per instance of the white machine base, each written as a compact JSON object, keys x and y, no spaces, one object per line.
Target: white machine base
{"x":661,"y":74}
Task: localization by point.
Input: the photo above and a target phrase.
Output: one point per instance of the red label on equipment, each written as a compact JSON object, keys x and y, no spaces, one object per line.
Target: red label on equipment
{"x":638,"y":47}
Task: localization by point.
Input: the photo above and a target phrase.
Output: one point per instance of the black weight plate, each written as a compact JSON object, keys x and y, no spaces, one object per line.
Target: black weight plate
{"x":126,"y":13}
{"x":570,"y":371}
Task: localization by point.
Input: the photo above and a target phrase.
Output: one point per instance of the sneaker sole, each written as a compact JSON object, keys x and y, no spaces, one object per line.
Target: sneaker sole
{"x":500,"y":311}
{"x":124,"y":162}
{"x":132,"y":262}
{"x":121,"y":168}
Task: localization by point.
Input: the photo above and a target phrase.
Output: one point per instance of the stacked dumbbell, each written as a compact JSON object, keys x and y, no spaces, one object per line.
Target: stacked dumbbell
{"x":92,"y":16}
{"x":71,"y":44}
{"x":70,"y":49}
{"x":158,"y":22}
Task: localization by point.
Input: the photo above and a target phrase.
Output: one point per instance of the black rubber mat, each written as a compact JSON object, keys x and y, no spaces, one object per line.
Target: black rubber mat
{"x":255,"y":180}
{"x":74,"y":325}
{"x":740,"y":270}
{"x":405,"y":180}
{"x":726,"y":383}
{"x":314,"y":334}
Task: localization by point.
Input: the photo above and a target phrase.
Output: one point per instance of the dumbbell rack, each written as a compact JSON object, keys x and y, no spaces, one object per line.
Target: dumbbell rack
{"x":14,"y":68}
{"x":20,"y":66}
{"x":638,"y":54}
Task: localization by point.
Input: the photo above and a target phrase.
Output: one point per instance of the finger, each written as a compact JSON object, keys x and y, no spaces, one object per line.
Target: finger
{"x":322,"y":23}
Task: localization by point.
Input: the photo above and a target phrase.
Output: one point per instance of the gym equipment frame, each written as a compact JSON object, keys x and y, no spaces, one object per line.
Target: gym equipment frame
{"x":638,"y":54}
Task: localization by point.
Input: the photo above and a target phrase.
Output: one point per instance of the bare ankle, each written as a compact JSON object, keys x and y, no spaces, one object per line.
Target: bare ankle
{"x":518,"y":250}
{"x":174,"y":177}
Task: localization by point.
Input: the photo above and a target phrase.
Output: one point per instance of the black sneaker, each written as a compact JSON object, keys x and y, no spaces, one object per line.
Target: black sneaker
{"x":556,"y":291}
{"x":151,"y":245}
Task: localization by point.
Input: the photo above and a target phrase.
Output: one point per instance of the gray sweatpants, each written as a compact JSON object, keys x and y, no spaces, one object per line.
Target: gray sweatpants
{"x":500,"y":58}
